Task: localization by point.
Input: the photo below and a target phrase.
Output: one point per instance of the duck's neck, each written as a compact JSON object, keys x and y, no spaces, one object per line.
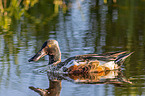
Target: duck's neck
{"x":54,"y":84}
{"x":55,"y":58}
{"x":54,"y":87}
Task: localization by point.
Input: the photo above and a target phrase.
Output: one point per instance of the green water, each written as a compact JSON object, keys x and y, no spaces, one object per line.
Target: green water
{"x":80,"y":27}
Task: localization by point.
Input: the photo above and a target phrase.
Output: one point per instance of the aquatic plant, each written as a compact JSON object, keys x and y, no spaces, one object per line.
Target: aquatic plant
{"x":13,"y":9}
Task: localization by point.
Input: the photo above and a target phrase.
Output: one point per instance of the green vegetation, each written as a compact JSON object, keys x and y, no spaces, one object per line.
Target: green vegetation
{"x":11,"y":10}
{"x":15,"y":9}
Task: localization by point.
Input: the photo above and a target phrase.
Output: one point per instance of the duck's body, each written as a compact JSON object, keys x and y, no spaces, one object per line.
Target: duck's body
{"x":80,"y":63}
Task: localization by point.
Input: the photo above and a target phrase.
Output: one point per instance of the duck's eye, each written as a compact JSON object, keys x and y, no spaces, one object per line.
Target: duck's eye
{"x":49,"y":45}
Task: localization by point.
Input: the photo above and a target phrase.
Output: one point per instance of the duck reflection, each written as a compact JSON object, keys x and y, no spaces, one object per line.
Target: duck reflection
{"x":53,"y":90}
{"x":109,"y":77}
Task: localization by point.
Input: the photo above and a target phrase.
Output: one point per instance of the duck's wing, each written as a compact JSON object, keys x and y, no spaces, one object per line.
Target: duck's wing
{"x":104,"y":56}
{"x":84,"y":61}
{"x":110,"y":56}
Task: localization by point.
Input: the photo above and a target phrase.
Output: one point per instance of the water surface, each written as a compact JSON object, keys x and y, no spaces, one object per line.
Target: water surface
{"x":80,"y":27}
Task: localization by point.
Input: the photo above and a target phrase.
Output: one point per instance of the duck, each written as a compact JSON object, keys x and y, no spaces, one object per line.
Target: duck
{"x":87,"y":63}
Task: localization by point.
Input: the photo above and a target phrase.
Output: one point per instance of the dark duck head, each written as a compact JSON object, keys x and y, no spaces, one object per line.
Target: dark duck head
{"x":51,"y":48}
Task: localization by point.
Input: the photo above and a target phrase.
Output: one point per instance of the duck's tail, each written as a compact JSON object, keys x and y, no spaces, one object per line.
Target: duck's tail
{"x":121,"y":58}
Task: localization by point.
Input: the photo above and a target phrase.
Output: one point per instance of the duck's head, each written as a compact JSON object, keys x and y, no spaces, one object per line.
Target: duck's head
{"x":51,"y":48}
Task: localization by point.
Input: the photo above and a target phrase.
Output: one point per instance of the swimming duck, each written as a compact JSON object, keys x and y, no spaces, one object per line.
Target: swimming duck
{"x":80,"y":63}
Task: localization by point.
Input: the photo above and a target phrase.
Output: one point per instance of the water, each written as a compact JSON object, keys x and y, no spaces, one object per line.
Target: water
{"x":80,"y":27}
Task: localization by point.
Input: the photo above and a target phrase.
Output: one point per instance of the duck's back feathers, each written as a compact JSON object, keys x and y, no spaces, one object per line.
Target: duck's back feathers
{"x":93,"y":62}
{"x":110,"y":56}
{"x":122,"y":57}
